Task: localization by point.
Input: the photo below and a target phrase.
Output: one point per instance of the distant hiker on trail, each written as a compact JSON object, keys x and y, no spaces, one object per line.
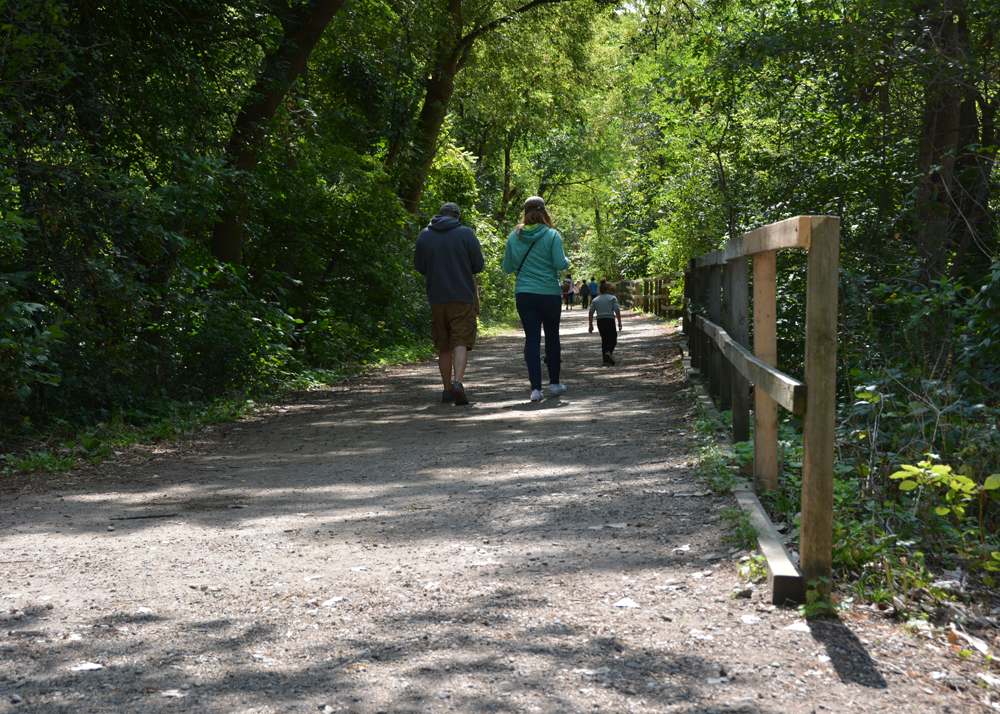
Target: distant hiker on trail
{"x":606,"y":307}
{"x":535,"y":254}
{"x":448,"y":255}
{"x":567,"y":291}
{"x":585,"y":294}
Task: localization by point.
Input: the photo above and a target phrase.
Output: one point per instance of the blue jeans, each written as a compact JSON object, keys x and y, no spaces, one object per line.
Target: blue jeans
{"x":538,"y":312}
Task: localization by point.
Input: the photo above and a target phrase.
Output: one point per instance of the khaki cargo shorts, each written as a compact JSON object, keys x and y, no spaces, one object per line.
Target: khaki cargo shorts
{"x":453,"y":324}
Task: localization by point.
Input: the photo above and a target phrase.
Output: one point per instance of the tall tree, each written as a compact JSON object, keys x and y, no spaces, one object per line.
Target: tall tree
{"x":302,"y":27}
{"x":452,"y":51}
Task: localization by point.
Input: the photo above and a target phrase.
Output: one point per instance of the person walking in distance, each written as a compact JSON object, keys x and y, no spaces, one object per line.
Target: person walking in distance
{"x":585,"y":294}
{"x":567,"y":291}
{"x":448,"y":255}
{"x":535,"y":254}
{"x":606,"y":307}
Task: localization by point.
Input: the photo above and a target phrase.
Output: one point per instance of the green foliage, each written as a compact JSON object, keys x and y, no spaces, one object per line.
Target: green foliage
{"x":496,"y":288}
{"x":952,"y":495}
{"x":25,"y":348}
{"x":753,"y":568}
{"x":742,"y":532}
{"x":715,"y":470}
{"x":819,"y":602}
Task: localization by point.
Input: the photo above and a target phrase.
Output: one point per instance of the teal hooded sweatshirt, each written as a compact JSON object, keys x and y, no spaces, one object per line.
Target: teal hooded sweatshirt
{"x":540,"y":272}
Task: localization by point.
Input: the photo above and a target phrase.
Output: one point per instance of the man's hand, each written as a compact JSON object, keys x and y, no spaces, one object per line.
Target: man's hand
{"x":591,"y":327}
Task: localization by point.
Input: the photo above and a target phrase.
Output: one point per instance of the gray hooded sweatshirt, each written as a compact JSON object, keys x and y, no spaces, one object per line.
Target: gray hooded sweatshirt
{"x":448,"y":255}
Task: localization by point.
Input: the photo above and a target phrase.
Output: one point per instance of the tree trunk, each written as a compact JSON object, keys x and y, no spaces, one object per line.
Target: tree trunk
{"x":509,"y":192}
{"x":440,"y":87}
{"x":449,"y":57}
{"x":973,"y":173}
{"x":303,"y":27}
{"x":939,"y":136}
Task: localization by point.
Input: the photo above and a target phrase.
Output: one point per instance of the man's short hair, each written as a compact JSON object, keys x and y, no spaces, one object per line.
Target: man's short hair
{"x":450,"y":209}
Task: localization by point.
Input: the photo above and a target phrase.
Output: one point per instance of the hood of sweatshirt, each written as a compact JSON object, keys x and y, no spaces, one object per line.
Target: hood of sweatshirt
{"x":443,"y":223}
{"x":533,"y":234}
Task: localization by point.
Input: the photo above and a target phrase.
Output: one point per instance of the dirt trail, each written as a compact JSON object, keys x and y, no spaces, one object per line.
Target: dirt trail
{"x":369,"y":549}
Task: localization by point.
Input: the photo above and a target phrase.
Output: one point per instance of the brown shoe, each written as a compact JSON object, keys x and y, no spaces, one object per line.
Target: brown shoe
{"x":458,"y":394}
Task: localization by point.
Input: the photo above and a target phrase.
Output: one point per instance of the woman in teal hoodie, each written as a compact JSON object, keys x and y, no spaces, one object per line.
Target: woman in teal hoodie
{"x":535,"y":253}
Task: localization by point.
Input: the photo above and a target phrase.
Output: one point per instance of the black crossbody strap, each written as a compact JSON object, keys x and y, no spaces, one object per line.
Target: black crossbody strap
{"x":517,"y":272}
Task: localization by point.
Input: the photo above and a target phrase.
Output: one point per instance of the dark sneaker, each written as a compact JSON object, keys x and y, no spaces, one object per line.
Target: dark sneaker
{"x":458,"y":394}
{"x":446,"y":396}
{"x":608,"y":359}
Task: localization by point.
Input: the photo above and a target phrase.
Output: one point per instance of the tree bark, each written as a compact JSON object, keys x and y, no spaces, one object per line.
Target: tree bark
{"x":509,"y":191}
{"x":303,"y":26}
{"x":973,"y":172}
{"x":450,"y":55}
{"x":440,"y":86}
{"x":940,"y":134}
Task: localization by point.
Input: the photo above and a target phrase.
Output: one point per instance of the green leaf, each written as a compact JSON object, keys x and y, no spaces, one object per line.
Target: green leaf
{"x":992,"y":483}
{"x":908,"y":485}
{"x":942,"y":511}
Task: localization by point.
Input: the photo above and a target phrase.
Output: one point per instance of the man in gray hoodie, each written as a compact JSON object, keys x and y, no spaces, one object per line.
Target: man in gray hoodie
{"x":448,"y":255}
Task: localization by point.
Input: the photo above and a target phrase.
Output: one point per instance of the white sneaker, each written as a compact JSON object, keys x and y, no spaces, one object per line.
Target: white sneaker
{"x":557,"y":388}
{"x":536,"y":395}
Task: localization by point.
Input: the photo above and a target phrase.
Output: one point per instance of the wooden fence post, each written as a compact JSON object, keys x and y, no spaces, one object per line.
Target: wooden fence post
{"x":725,"y":368}
{"x":821,"y":402}
{"x":739,"y":318}
{"x":705,"y":348}
{"x":765,"y":347}
{"x":715,"y":315}
{"x":687,"y":325}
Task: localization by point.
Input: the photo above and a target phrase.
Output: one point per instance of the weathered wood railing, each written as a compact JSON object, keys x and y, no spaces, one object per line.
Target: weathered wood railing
{"x":716,"y":317}
{"x":653,"y":295}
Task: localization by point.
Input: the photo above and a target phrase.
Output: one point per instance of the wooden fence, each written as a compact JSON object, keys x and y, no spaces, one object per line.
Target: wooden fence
{"x":716,"y":317}
{"x":653,"y":295}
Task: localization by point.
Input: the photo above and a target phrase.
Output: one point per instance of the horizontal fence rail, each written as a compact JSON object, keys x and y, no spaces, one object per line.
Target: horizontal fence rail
{"x":653,"y":295}
{"x":716,"y":322}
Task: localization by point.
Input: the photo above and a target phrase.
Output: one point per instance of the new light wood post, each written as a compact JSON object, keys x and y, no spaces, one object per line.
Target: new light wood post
{"x":821,"y":402}
{"x":765,"y":348}
{"x":737,"y":299}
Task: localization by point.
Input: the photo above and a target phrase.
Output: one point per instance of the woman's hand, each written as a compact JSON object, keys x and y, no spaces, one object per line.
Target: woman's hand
{"x":591,"y":329}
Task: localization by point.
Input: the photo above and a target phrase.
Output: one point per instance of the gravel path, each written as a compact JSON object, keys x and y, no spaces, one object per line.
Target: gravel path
{"x":369,"y":549}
